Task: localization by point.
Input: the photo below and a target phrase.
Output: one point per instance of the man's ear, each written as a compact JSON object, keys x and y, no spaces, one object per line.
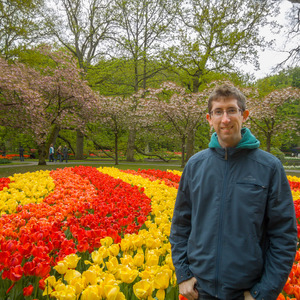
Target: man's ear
{"x":208,"y":118}
{"x":245,"y":115}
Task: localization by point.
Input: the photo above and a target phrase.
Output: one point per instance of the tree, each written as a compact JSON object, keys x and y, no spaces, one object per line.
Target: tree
{"x":271,"y":117}
{"x":142,"y":25}
{"x":83,"y":27}
{"x":214,"y":35}
{"x":42,"y":101}
{"x":184,"y":111}
{"x":113,"y":117}
{"x":18,"y":25}
{"x":294,"y":34}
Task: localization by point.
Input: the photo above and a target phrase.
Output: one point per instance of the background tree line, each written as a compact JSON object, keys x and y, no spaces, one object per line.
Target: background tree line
{"x":107,"y":56}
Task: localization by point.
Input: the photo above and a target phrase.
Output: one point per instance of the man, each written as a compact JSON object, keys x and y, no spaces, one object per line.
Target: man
{"x":51,"y":153}
{"x":233,"y":232}
{"x":65,"y":153}
{"x":21,"y":153}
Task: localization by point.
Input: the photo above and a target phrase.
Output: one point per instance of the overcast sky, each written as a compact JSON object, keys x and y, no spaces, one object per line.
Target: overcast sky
{"x":270,"y":58}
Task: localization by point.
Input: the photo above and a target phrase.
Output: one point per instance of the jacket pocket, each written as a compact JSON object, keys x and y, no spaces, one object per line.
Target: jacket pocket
{"x":251,"y":196}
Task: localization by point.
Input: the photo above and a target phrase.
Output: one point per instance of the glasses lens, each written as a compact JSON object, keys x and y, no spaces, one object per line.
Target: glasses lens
{"x":230,"y":112}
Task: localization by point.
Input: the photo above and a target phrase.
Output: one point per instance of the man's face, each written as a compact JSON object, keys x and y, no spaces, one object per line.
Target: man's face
{"x":227,"y":127}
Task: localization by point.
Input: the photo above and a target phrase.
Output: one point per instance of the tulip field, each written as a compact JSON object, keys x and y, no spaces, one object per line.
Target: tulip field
{"x":95,"y":233}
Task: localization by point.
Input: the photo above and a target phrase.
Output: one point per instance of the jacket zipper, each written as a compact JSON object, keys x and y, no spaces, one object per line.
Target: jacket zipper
{"x":220,"y":228}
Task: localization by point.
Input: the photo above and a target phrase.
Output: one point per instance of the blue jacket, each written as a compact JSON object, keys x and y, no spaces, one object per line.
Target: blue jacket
{"x":234,"y":225}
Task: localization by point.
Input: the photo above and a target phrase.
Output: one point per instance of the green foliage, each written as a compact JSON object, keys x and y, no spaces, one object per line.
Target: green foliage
{"x":285,"y":78}
{"x":4,"y":161}
{"x":19,"y":23}
{"x":111,"y":77}
{"x":12,"y":138}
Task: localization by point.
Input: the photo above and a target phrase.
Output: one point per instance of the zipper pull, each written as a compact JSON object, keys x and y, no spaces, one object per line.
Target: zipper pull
{"x":225,"y":153}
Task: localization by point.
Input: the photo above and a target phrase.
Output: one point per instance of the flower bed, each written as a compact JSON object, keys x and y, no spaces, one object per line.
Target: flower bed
{"x":87,"y":233}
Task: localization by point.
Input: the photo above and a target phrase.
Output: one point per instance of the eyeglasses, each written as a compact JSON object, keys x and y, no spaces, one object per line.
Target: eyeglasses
{"x":231,"y":112}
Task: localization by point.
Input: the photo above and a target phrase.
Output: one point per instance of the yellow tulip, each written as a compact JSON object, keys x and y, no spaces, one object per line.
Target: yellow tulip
{"x":47,"y":291}
{"x":91,"y":293}
{"x":72,"y":260}
{"x":137,"y":242}
{"x":128,"y":275}
{"x":114,"y":249}
{"x":162,"y":279}
{"x":111,"y":291}
{"x":60,"y":286}
{"x":71,"y":274}
{"x":78,"y":284}
{"x":67,"y":294}
{"x":152,"y":259}
{"x":160,"y":294}
{"x":138,"y":259}
{"x":50,"y":281}
{"x":146,"y":274}
{"x":112,"y":265}
{"x":103,"y":251}
{"x":142,"y":289}
{"x":109,"y":279}
{"x":107,"y":241}
{"x":127,"y":260}
{"x":120,"y":296}
{"x":61,"y":267}
{"x":97,"y":257}
{"x":90,"y":277}
{"x":125,"y":245}
{"x":150,"y":243}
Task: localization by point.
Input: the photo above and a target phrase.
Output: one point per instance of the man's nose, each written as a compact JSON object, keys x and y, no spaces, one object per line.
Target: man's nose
{"x":225,"y":117}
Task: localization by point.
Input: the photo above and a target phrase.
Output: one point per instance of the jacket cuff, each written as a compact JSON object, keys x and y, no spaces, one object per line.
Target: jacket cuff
{"x":183,"y":275}
{"x":255,"y":292}
{"x":259,"y":294}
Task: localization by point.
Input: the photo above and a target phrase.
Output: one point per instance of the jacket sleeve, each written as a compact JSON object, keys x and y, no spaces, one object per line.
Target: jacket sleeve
{"x":282,"y":237}
{"x":180,"y":230}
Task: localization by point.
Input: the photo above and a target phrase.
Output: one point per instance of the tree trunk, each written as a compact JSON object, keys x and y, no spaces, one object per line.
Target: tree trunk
{"x":190,"y":144}
{"x":79,"y":145}
{"x":43,"y":149}
{"x":182,"y":152}
{"x":42,"y":154}
{"x":116,"y":149}
{"x":131,"y":144}
{"x":268,"y":142}
{"x":197,"y":81}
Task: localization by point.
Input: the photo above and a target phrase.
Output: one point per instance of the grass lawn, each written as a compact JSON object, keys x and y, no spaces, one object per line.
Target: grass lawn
{"x":28,"y":166}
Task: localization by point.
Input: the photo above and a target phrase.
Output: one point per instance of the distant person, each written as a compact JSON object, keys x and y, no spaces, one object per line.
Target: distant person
{"x":51,"y":153}
{"x":4,"y":151}
{"x":59,"y":153}
{"x":21,"y":153}
{"x":65,"y":153}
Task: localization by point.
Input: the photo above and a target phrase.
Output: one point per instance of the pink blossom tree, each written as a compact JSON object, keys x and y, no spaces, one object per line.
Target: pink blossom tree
{"x":42,"y":101}
{"x":119,"y":115}
{"x":184,"y":111}
{"x":113,"y":117}
{"x":271,"y":117}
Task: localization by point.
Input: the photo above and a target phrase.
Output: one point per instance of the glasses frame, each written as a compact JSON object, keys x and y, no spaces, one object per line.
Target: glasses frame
{"x":225,"y":111}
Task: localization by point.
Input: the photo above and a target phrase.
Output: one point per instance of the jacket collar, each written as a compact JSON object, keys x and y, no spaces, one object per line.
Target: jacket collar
{"x":248,"y":141}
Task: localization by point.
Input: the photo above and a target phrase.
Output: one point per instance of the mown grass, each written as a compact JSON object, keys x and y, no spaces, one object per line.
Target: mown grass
{"x":15,"y":167}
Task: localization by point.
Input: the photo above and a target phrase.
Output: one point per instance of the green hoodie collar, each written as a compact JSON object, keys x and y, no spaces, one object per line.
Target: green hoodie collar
{"x":248,"y":140}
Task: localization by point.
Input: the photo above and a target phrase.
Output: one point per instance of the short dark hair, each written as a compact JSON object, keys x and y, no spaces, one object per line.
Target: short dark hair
{"x":227,"y":91}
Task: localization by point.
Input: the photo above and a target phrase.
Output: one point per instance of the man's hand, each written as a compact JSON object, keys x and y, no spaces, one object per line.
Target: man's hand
{"x":188,"y":290}
{"x":248,"y":296}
